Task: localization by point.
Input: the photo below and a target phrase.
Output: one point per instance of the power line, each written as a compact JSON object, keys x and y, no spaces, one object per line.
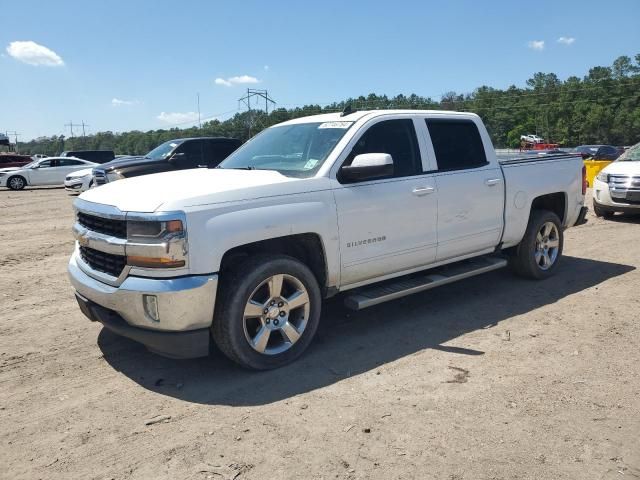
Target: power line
{"x":253,"y":93}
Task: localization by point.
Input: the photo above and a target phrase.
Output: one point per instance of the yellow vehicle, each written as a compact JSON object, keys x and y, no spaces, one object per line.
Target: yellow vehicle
{"x":596,"y":157}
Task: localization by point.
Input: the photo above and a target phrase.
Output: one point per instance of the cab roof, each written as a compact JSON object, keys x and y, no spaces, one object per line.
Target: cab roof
{"x":360,"y":114}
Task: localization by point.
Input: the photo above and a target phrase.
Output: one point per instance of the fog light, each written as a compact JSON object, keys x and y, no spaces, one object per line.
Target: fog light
{"x":150,"y":303}
{"x":598,"y":194}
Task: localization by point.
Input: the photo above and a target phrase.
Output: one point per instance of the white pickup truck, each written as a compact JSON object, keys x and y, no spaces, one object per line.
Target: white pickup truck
{"x":373,"y":205}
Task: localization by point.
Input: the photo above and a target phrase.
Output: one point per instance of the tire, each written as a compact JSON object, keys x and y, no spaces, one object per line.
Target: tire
{"x":254,"y":304}
{"x":601,"y":212}
{"x":16,"y":182}
{"x":538,"y":254}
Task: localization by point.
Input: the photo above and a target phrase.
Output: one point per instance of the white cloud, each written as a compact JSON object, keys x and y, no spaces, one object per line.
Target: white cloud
{"x":118,"y":102}
{"x":566,"y":40}
{"x":32,"y":53}
{"x":536,"y":45}
{"x":178,"y":117}
{"x":239,"y":80}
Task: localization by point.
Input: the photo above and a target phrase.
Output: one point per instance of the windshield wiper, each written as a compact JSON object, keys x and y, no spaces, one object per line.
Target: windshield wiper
{"x":248,"y":167}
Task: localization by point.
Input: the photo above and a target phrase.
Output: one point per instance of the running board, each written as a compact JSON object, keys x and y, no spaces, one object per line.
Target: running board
{"x":397,"y":288}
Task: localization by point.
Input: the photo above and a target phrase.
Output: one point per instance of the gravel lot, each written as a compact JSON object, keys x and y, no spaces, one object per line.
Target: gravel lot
{"x":491,"y":378}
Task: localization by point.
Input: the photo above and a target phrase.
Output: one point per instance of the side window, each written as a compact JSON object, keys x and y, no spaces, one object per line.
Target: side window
{"x":457,"y":144}
{"x":46,"y":164}
{"x":398,"y":139}
{"x":70,"y":163}
{"x":193,"y":152}
{"x":215,"y":152}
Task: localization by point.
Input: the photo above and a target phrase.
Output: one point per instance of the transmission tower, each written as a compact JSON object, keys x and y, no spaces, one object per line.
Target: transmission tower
{"x":71,"y":125}
{"x":257,"y":94}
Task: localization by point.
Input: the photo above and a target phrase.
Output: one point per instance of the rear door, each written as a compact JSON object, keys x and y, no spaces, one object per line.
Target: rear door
{"x":67,"y":166}
{"x":470,"y":188}
{"x":216,"y":151}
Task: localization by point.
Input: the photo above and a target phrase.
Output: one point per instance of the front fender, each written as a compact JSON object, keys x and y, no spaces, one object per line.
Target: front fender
{"x":212,"y":234}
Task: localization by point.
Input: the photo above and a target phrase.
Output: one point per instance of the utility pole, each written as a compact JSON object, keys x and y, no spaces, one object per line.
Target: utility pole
{"x":251,"y":93}
{"x":15,"y":136}
{"x":71,"y":125}
{"x":199,"y":121}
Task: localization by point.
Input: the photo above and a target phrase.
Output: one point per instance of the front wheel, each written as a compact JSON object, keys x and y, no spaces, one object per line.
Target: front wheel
{"x":268,"y":312}
{"x":16,"y":183}
{"x":538,"y":254}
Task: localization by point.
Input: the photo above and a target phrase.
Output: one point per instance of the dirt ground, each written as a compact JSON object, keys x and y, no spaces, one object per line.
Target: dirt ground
{"x":491,"y":378}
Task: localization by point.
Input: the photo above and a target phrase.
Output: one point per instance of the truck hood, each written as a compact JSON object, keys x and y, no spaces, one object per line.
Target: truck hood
{"x":626,"y":167}
{"x":180,"y":189}
{"x":127,"y":162}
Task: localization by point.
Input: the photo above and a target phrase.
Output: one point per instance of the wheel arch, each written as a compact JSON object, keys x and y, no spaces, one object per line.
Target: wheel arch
{"x":553,"y":202}
{"x":26,"y":182}
{"x":308,"y":248}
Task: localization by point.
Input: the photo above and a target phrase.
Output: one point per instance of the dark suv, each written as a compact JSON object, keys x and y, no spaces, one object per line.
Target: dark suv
{"x":179,"y":154}
{"x":96,"y":156}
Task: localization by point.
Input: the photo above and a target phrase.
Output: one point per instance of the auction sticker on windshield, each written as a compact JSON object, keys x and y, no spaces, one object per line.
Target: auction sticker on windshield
{"x":343,"y":125}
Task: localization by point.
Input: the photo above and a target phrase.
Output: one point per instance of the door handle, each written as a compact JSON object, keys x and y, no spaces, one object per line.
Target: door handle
{"x":492,"y":181}
{"x":419,"y":191}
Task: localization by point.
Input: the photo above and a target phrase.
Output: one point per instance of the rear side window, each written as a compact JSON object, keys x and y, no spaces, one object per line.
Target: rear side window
{"x":70,"y":163}
{"x":457,"y":144}
{"x":398,"y":139}
{"x":216,"y":151}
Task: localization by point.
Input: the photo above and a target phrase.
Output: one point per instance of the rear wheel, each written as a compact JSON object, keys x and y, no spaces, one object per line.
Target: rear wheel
{"x":16,"y":183}
{"x":268,"y":312}
{"x":538,"y":254}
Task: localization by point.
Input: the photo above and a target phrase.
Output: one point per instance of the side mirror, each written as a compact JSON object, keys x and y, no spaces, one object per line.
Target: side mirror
{"x":368,"y":166}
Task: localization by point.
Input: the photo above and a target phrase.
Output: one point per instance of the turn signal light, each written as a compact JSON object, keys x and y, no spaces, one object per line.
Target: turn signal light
{"x":154,"y":262}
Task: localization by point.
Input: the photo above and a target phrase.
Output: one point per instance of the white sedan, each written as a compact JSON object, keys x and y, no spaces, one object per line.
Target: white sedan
{"x":80,"y":181}
{"x":46,"y":171}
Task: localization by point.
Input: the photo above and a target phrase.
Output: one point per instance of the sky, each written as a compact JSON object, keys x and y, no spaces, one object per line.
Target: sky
{"x":124,"y":65}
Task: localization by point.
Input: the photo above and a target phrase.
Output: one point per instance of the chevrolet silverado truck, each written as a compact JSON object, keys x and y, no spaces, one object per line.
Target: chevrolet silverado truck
{"x":373,"y":205}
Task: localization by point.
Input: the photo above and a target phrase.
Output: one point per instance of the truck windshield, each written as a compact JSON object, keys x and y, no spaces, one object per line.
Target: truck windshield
{"x":631,"y":155}
{"x":163,"y":151}
{"x":293,"y":150}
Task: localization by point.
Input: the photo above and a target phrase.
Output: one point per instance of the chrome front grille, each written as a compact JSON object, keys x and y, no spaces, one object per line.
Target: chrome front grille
{"x":103,"y":262}
{"x":108,"y":226}
{"x":625,"y":188}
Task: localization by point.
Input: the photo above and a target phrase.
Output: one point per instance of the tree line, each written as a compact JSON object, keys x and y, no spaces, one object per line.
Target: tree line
{"x":602,"y":107}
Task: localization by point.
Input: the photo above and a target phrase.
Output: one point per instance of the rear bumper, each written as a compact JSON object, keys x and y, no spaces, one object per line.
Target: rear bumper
{"x":189,"y":344}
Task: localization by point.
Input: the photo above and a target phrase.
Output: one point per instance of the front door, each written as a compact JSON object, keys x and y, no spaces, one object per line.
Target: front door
{"x":45,"y":174}
{"x":387,"y":225}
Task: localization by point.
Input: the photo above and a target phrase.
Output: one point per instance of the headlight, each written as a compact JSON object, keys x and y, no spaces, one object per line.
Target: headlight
{"x":603,"y":177}
{"x":156,"y":244}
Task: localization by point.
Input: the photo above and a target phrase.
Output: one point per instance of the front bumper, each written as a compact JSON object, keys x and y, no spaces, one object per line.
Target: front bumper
{"x":73,"y":186}
{"x":603,"y":198}
{"x":184,"y":304}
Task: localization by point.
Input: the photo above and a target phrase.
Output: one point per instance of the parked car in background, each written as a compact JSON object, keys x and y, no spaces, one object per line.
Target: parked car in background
{"x":531,"y":138}
{"x":48,"y":171}
{"x":96,"y":156}
{"x":617,"y":187}
{"x":8,"y":160}
{"x":78,"y":182}
{"x":599,"y":152}
{"x":179,"y":154}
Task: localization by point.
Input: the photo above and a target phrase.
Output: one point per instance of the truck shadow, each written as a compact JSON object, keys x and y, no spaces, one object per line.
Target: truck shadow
{"x":350,"y":343}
